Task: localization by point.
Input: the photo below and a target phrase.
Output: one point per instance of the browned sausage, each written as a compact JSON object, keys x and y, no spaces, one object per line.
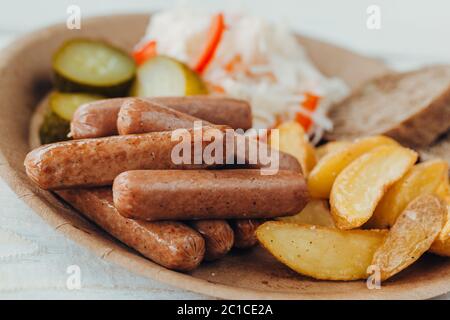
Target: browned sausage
{"x":218,"y":235}
{"x":244,"y":232}
{"x":96,"y":162}
{"x":140,"y":116}
{"x":234,"y":113}
{"x":96,"y":119}
{"x":99,"y":118}
{"x":208,"y":194}
{"x":170,"y":244}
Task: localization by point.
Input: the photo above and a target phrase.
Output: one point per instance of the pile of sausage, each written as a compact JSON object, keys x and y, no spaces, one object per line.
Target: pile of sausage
{"x":174,"y":214}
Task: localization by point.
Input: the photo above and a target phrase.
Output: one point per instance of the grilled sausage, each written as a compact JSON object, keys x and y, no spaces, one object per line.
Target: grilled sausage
{"x":208,"y":194}
{"x":140,"y":116}
{"x":170,"y":244}
{"x":96,"y":162}
{"x":244,"y":232}
{"x":234,"y":113}
{"x":218,"y":235}
{"x":99,"y":118}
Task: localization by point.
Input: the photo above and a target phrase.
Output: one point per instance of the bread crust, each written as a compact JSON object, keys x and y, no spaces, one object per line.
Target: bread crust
{"x":424,"y":127}
{"x":417,"y":130}
{"x":439,"y":149}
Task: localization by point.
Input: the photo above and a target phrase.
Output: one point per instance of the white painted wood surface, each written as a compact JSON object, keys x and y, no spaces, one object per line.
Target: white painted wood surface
{"x":34,"y":258}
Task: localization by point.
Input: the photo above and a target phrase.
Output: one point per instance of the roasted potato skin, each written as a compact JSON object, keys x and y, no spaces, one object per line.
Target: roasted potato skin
{"x":316,"y":212}
{"x":330,"y":147}
{"x":441,"y":247}
{"x":360,"y":186}
{"x":413,"y":233}
{"x":320,"y":252}
{"x":423,"y":178}
{"x":294,"y":141}
{"x":325,"y":172}
{"x":444,"y":193}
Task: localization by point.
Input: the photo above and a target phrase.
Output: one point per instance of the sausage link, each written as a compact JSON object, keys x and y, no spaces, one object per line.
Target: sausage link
{"x":96,"y":162}
{"x":244,"y":232}
{"x":218,"y":235}
{"x":96,"y":119}
{"x":170,"y":244}
{"x":208,"y":194}
{"x":234,"y":113}
{"x":99,"y":118}
{"x":140,"y":116}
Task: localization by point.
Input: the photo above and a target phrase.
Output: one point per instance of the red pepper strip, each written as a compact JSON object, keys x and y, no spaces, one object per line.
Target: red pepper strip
{"x":215,"y":32}
{"x":310,"y":103}
{"x":146,"y":52}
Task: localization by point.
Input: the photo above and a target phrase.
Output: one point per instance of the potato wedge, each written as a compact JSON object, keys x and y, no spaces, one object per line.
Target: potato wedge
{"x":322,"y":177}
{"x":294,"y":141}
{"x":320,"y":252}
{"x":331,"y":146}
{"x":423,"y":178}
{"x":441,"y":247}
{"x":315,"y":213}
{"x":443,"y":192}
{"x":412,"y":235}
{"x":359,"y":187}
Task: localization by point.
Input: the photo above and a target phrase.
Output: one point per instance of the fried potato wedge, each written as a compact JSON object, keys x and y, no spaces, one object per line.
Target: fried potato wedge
{"x":294,"y":141}
{"x":412,"y":235}
{"x":331,"y":146}
{"x":316,"y":212}
{"x":423,"y":178}
{"x":322,"y":177}
{"x":360,"y":186}
{"x":321,"y":252}
{"x":444,"y":193}
{"x":441,"y":247}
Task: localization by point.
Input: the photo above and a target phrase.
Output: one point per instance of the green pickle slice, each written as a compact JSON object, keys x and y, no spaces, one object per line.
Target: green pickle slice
{"x":164,"y":76}
{"x":84,"y":65}
{"x":61,"y":107}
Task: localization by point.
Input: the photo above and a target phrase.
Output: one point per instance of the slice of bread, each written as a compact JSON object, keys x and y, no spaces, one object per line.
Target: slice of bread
{"x":411,"y":107}
{"x":439,"y":149}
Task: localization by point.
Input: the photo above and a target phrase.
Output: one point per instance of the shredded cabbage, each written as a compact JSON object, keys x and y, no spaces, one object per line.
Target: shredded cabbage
{"x":258,"y":61}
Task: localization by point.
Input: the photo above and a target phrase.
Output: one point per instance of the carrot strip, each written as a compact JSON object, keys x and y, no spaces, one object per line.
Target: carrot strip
{"x":146,"y":52}
{"x":216,"y":30}
{"x":310,"y":103}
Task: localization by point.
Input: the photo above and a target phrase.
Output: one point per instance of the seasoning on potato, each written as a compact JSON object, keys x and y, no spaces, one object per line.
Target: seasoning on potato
{"x":322,"y":177}
{"x":423,"y":178}
{"x":360,"y":186}
{"x":320,"y":252}
{"x":411,"y":236}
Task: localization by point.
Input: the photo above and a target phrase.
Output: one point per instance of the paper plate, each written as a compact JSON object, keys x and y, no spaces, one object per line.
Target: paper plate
{"x":25,"y":78}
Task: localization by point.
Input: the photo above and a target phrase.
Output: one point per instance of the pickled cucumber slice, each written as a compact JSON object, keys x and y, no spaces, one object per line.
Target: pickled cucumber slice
{"x":164,"y":76}
{"x":53,"y":129}
{"x":84,"y":65}
{"x":61,"y":107}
